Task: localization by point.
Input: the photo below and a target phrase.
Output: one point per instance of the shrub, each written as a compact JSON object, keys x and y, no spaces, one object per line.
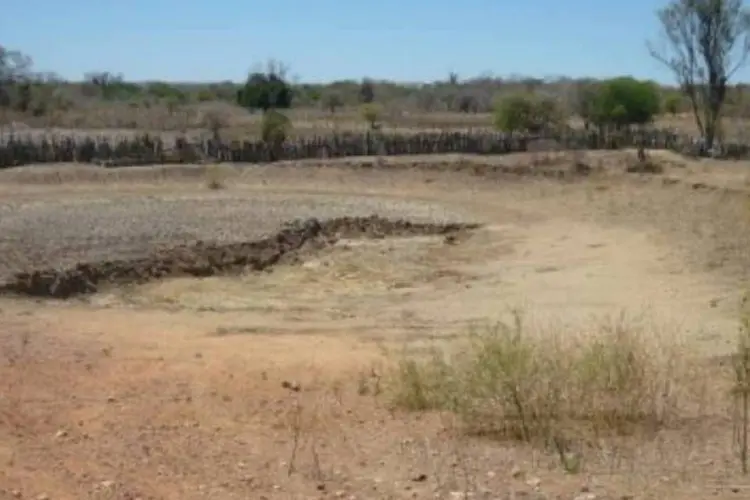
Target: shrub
{"x":625,"y":101}
{"x":275,"y":129}
{"x":332,"y":101}
{"x":371,"y":113}
{"x":541,"y":387}
{"x":526,"y":113}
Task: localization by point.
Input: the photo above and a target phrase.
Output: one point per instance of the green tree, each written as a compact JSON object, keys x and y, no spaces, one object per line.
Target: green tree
{"x":525,"y":112}
{"x":366,"y":91}
{"x":625,"y":101}
{"x":705,"y":43}
{"x":265,"y":91}
{"x":163,"y":90}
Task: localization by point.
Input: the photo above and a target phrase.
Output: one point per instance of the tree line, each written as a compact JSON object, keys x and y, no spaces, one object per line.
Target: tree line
{"x":703,"y":43}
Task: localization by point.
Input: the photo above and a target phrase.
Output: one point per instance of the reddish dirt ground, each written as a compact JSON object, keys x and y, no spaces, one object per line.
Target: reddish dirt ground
{"x":274,"y":385}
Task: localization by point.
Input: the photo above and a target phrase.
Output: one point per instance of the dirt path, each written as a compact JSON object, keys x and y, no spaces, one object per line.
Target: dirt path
{"x":146,"y":380}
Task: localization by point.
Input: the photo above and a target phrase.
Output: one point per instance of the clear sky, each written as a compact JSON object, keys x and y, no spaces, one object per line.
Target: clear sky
{"x":322,"y":40}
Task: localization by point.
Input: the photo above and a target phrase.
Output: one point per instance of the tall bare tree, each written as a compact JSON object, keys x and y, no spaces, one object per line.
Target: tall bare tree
{"x":705,"y":43}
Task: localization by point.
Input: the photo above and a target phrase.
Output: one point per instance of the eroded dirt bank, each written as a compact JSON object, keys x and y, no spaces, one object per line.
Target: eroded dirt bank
{"x":207,"y":259}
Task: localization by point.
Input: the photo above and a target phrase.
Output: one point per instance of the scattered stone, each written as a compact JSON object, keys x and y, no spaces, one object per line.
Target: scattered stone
{"x":61,"y":434}
{"x":586,"y":496}
{"x":420,"y":478}
{"x":16,"y":493}
{"x":534,"y":482}
{"x":292,"y":386}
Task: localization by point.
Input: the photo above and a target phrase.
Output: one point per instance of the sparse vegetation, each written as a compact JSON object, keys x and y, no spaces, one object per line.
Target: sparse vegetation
{"x":591,"y":206}
{"x":371,"y":113}
{"x":554,"y":387}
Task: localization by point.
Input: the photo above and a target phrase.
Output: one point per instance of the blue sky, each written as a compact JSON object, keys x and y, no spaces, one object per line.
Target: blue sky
{"x":322,"y":40}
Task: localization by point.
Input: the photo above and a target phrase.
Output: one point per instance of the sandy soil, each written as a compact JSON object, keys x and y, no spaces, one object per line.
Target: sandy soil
{"x":264,"y":386}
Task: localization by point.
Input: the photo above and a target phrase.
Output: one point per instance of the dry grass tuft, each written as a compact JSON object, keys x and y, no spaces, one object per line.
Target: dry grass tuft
{"x":216,"y":177}
{"x":555,"y":389}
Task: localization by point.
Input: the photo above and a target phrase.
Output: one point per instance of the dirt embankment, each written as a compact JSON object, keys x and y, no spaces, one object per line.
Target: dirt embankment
{"x":208,"y":259}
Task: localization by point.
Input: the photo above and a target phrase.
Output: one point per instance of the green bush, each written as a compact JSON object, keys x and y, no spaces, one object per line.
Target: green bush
{"x":275,"y":128}
{"x":371,"y":113}
{"x":526,"y":113}
{"x":625,"y":101}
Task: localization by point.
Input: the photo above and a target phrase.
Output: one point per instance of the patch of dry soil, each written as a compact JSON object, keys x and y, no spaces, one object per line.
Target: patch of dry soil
{"x":260,"y":385}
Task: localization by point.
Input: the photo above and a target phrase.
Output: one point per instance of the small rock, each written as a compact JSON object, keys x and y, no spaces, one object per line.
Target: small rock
{"x":419,"y":478}
{"x":321,"y":487}
{"x":490,"y":474}
{"x":107,"y":484}
{"x":42,"y":496}
{"x":534,"y":482}
{"x":16,"y":493}
{"x":292,"y":386}
{"x":340,"y":494}
{"x":516,"y":472}
{"x":61,"y":434}
{"x":111,"y":399}
{"x":586,"y":496}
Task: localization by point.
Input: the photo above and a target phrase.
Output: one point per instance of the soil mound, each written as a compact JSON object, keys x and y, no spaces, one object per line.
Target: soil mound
{"x":207,"y":259}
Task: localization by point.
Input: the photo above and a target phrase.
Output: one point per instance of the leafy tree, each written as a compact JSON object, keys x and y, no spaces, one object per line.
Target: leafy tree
{"x":524,"y":112}
{"x":205,"y":95}
{"x":706,"y":42}
{"x":110,"y":86}
{"x":265,"y":91}
{"x":625,"y":101}
{"x":367,"y":91}
{"x":15,"y":70}
{"x":163,"y":90}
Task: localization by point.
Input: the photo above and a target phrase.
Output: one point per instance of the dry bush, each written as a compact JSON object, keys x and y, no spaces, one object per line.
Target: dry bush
{"x":216,"y":176}
{"x":643,"y":163}
{"x":557,"y":389}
